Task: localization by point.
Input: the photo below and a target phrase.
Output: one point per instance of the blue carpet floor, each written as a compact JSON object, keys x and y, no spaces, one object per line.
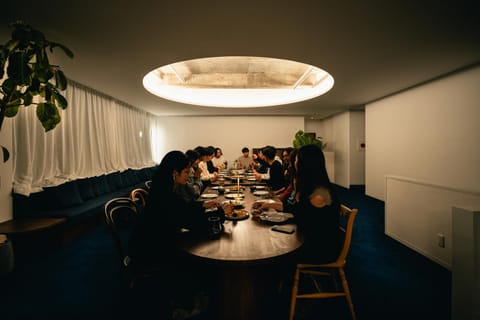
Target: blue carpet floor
{"x":81,"y":281}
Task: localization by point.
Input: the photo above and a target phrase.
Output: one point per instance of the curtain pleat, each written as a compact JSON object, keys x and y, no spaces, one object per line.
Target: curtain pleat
{"x":97,"y":135}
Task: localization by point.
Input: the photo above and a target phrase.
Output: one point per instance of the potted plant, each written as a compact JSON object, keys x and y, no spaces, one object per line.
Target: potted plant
{"x":26,"y":74}
{"x":303,"y":138}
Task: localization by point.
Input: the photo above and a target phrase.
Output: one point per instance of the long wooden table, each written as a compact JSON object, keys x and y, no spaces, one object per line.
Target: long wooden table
{"x":247,"y":258}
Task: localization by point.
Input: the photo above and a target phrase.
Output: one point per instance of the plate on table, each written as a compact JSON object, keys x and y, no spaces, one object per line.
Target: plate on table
{"x":275,"y":217}
{"x":260,"y":187}
{"x":234,"y":195}
{"x":234,"y":188}
{"x":237,"y":214}
{"x":237,"y":203}
{"x":209,"y":195}
{"x":260,"y":192}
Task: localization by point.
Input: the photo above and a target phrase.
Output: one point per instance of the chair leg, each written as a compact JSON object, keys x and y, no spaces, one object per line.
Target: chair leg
{"x":294,"y":293}
{"x":347,"y":292}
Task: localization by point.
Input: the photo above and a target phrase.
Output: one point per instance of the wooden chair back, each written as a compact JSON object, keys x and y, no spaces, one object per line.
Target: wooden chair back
{"x":332,"y":270}
{"x":140,"y":196}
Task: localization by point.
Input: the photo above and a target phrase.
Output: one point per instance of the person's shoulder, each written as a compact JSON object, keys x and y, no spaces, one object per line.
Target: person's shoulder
{"x":321,"y":197}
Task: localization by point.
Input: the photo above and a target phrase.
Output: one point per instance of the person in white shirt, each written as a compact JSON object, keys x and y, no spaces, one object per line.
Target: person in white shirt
{"x":206,"y":177}
{"x":219,"y":160}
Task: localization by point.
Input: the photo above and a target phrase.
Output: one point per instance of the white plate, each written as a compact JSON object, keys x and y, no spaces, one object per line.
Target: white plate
{"x":259,"y":187}
{"x":276,"y":216}
{"x":260,"y":193}
{"x":209,"y":195}
{"x":234,"y":195}
{"x":265,"y":200}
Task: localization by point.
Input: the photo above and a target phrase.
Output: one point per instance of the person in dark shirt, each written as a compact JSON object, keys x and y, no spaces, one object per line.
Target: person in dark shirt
{"x":275,"y":177}
{"x":166,"y":213}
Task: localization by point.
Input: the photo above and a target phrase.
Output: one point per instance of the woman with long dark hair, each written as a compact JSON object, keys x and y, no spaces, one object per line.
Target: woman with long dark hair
{"x":317,"y":207}
{"x":166,"y":213}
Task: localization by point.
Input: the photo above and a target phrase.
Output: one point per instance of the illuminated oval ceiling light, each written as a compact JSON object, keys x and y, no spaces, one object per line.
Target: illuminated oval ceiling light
{"x":236,"y":82}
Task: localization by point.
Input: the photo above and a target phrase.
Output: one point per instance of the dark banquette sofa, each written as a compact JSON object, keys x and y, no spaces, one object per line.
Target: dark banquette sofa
{"x":58,"y":215}
{"x":80,"y":199}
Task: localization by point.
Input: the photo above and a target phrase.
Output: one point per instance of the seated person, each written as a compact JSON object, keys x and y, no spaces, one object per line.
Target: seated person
{"x":211,"y":154}
{"x":191,"y":190}
{"x":245,"y":161}
{"x":205,"y":175}
{"x":259,"y":163}
{"x":218,"y":160}
{"x":274,"y":177}
{"x":316,"y":207}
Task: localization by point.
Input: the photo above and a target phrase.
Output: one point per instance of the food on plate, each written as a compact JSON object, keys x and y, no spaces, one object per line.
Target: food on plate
{"x":237,"y":214}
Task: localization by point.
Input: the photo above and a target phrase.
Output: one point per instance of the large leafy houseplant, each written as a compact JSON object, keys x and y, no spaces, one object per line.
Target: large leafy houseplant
{"x":29,"y":79}
{"x":303,"y":138}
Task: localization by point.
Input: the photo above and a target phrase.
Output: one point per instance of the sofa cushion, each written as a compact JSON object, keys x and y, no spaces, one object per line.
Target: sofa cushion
{"x":62,"y":196}
{"x":86,"y":189}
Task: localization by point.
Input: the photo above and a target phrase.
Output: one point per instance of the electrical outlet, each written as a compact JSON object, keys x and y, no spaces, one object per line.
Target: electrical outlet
{"x":441,"y":240}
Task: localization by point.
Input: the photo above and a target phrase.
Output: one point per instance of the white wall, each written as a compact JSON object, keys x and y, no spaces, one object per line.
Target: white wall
{"x":6,"y":170}
{"x":229,"y":133}
{"x":341,"y":133}
{"x":429,"y":133}
{"x":429,"y":136}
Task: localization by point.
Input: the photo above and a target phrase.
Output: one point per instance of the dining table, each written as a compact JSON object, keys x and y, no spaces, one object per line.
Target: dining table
{"x":247,"y":256}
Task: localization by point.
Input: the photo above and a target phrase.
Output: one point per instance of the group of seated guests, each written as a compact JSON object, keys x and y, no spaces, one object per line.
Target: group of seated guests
{"x":268,"y":167}
{"x":300,"y":181}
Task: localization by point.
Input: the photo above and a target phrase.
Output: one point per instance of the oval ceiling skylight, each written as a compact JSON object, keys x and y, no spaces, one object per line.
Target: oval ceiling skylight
{"x":236,"y":82}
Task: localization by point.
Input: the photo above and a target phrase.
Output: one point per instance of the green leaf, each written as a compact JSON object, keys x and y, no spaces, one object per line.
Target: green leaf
{"x":67,"y":51}
{"x":6,"y":154}
{"x":11,"y":111}
{"x":48,"y":115}
{"x":61,"y":101}
{"x":60,"y":80}
{"x":27,"y":98}
{"x":18,"y":68}
{"x":8,"y":85}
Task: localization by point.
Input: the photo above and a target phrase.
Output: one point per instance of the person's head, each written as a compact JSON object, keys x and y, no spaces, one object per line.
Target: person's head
{"x":193,"y":157}
{"x":218,"y":152}
{"x":172,"y":171}
{"x":211,"y":152}
{"x":269,"y":152}
{"x":311,"y":170}
{"x":245,"y":152}
{"x":286,"y":154}
{"x":203,"y":153}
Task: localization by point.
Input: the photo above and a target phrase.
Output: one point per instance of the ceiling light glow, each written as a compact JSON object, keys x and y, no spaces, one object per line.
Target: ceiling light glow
{"x":238,"y":82}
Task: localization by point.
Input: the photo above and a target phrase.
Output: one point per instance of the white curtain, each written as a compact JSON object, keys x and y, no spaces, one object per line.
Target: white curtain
{"x":97,"y":135}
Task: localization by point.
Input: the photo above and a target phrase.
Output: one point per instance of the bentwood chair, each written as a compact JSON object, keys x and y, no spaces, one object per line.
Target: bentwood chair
{"x":334,"y":271}
{"x":148,"y":184}
{"x":120,"y":215}
{"x":140,"y":196}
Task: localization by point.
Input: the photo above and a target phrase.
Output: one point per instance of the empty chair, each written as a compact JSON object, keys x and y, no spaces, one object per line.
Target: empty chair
{"x":333,"y":271}
{"x":140,"y":196}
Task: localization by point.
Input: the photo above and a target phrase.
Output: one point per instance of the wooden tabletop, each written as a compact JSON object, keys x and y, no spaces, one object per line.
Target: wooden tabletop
{"x":243,"y":241}
{"x":28,"y":225}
